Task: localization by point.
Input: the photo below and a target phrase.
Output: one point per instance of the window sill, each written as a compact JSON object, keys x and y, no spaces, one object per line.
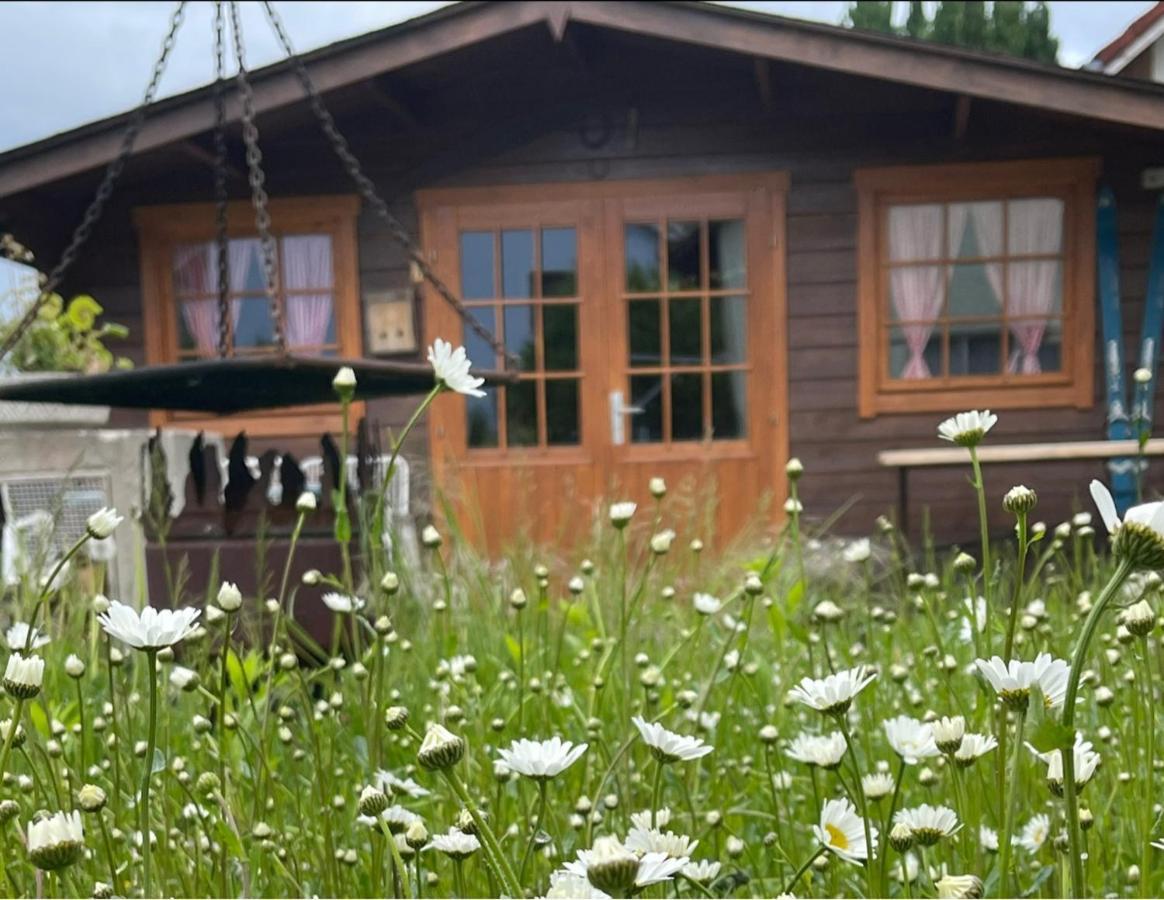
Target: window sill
{"x":950,"y":400}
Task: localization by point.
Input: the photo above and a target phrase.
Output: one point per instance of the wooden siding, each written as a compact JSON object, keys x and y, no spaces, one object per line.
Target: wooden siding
{"x":664,"y":111}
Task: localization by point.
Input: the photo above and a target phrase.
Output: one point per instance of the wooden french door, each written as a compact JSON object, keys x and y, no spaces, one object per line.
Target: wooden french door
{"x":648,"y":318}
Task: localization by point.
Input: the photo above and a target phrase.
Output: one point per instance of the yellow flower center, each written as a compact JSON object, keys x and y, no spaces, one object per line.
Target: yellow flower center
{"x":837,"y":838}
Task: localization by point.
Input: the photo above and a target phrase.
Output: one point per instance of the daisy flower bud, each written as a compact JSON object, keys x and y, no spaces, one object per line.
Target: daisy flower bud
{"x":661,"y":542}
{"x":430,"y":537}
{"x":964,"y":563}
{"x":621,"y":513}
{"x":440,"y":749}
{"x":344,"y":383}
{"x":658,"y":488}
{"x":959,"y":887}
{"x":390,"y":583}
{"x":395,"y":717}
{"x":416,"y":836}
{"x":1142,"y":375}
{"x":576,"y":585}
{"x":229,"y":597}
{"x":517,"y":599}
{"x":373,"y":801}
{"x":753,"y":585}
{"x":1019,"y":500}
{"x":312,"y":577}
{"x":74,"y":666}
{"x":1138,"y":618}
{"x":103,"y":523}
{"x":794,"y":468}
{"x":901,"y":837}
{"x":611,"y":867}
{"x":91,"y":798}
{"x":948,"y":733}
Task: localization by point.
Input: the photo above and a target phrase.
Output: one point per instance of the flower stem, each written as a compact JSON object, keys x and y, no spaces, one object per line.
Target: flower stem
{"x":803,"y":868}
{"x":151,"y":743}
{"x":398,"y":866}
{"x":534,"y":831}
{"x":1004,"y":845}
{"x":1017,"y":596}
{"x":1077,"y":657}
{"x":14,"y":724}
{"x":656,"y":793}
{"x":493,"y":852}
{"x":859,"y":797}
{"x":984,"y":538}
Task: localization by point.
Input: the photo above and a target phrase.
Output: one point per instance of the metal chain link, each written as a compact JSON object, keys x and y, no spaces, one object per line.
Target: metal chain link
{"x":368,"y":191}
{"x":258,"y":191}
{"x":105,"y":189}
{"x":225,"y":344}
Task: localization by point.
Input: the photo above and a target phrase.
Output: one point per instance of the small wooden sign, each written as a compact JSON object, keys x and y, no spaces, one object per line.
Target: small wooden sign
{"x":391,"y":321}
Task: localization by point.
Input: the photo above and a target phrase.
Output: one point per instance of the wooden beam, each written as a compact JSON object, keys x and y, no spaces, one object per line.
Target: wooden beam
{"x":961,"y":117}
{"x":200,"y":154}
{"x":762,"y":73}
{"x":1003,"y":453}
{"x":388,"y":98}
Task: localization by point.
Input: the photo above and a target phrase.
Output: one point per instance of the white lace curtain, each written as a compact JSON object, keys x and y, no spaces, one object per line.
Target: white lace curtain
{"x":196,"y":276}
{"x":307,"y":282}
{"x":915,"y":233}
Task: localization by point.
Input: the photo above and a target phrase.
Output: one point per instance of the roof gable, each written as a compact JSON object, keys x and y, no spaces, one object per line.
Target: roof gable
{"x":1135,"y":39}
{"x":759,"y":35}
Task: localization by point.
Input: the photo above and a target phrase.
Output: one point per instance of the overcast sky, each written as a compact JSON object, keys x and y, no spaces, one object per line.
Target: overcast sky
{"x":67,"y":63}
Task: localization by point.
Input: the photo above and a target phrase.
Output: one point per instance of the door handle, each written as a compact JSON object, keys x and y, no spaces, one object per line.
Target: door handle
{"x":618,"y":413}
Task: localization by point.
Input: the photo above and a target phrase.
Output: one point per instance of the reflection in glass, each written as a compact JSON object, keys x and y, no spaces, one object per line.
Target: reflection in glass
{"x":644,"y":333}
{"x":560,"y":337}
{"x":520,"y":337}
{"x":517,"y":263}
{"x":562,"y":411}
{"x":975,"y":348}
{"x":975,"y":289}
{"x":685,"y":332}
{"x":480,"y":352}
{"x":559,"y":262}
{"x":476,"y":265}
{"x":481,"y":416}
{"x":729,"y":330}
{"x":646,"y":427}
{"x":725,"y":251}
{"x":521,"y":414}
{"x":683,"y":256}
{"x":642,"y":257}
{"x":686,"y":406}
{"x":729,"y":405}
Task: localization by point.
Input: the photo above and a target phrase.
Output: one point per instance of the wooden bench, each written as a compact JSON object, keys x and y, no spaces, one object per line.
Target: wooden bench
{"x":904,"y":460}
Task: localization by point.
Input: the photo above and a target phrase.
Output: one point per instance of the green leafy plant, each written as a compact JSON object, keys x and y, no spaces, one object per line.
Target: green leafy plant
{"x":68,"y":338}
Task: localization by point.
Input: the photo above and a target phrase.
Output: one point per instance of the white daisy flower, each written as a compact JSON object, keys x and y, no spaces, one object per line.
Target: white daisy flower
{"x":103,"y":523}
{"x":834,"y":693}
{"x":842,"y":831}
{"x":653,"y":840}
{"x":611,"y":867}
{"x":541,"y":760}
{"x":912,"y":868}
{"x":183,"y":679}
{"x":386,"y":779}
{"x":622,"y":512}
{"x":17,"y":637}
{"x":1086,"y":762}
{"x":967,"y":429}
{"x":342,"y":603}
{"x":151,"y":629}
{"x":929,"y":824}
{"x":451,"y":369}
{"x":456,"y":844}
{"x":23,"y":676}
{"x":958,"y":887}
{"x":56,"y":841}
{"x":857,"y":551}
{"x":569,"y":886}
{"x":1013,"y":681}
{"x":824,"y":750}
{"x":1143,"y":538}
{"x":706,"y":604}
{"x":702,"y":872}
{"x":642,"y":818}
{"x":988,"y":838}
{"x":911,"y":739}
{"x":973,"y":746}
{"x":667,"y":746}
{"x":1034,"y":833}
{"x":976,"y":610}
{"x":877,"y":786}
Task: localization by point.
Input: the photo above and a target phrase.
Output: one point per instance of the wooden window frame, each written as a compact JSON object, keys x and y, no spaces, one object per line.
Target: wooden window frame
{"x":1070,"y":180}
{"x":161,"y":228}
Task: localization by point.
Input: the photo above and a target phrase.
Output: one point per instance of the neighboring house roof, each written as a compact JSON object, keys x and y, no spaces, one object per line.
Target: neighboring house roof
{"x":1136,"y":38}
{"x":760,"y":35}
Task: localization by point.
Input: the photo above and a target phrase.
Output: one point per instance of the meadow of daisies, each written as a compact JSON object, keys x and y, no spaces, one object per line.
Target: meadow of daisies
{"x":643,"y":715}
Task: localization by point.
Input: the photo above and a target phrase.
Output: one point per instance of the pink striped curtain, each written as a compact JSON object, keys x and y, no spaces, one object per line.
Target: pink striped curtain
{"x":918,"y":291}
{"x":195,"y":272}
{"x":307,"y":267}
{"x":1035,"y":226}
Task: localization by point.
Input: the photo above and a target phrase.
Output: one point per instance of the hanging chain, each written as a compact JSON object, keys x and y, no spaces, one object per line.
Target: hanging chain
{"x":258,"y":191}
{"x":104,"y":190}
{"x":225,"y":344}
{"x":368,"y":191}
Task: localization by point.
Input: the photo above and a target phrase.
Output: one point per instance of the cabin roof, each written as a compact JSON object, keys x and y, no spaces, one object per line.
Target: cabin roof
{"x":973,"y":74}
{"x":1135,"y":39}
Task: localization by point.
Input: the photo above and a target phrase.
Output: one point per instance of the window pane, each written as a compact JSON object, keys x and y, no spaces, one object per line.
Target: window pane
{"x":1035,"y":346}
{"x":975,"y":348}
{"x":481,"y":419}
{"x":476,"y":265}
{"x":1034,"y":226}
{"x":686,"y":406}
{"x":682,"y":256}
{"x":642,"y":257}
{"x":685,"y":334}
{"x":245,"y":266}
{"x":198,"y":325}
{"x":480,"y":352}
{"x":520,"y":338}
{"x":975,"y":229}
{"x":645,"y":335}
{"x":521,"y":411}
{"x":975,"y":289}
{"x":729,"y":329}
{"x":559,"y":262}
{"x":306,"y":261}
{"x":915,"y":352}
{"x":915,"y":232}
{"x":725,"y":250}
{"x":560,"y":336}
{"x":561,"y":411}
{"x":1033,"y":288}
{"x":646,"y":427}
{"x":253,"y":328}
{"x":916,"y":293}
{"x":517,"y":263}
{"x":729,"y":405}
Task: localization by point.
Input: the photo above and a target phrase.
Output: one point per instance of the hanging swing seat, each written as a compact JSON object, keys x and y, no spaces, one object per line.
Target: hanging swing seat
{"x":232,"y":385}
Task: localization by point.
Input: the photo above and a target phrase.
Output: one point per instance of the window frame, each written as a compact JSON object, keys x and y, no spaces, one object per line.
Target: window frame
{"x":1070,"y":180}
{"x":162,"y":228}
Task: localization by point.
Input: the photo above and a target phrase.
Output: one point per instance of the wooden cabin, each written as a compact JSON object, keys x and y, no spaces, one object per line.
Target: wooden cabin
{"x":716,"y":239}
